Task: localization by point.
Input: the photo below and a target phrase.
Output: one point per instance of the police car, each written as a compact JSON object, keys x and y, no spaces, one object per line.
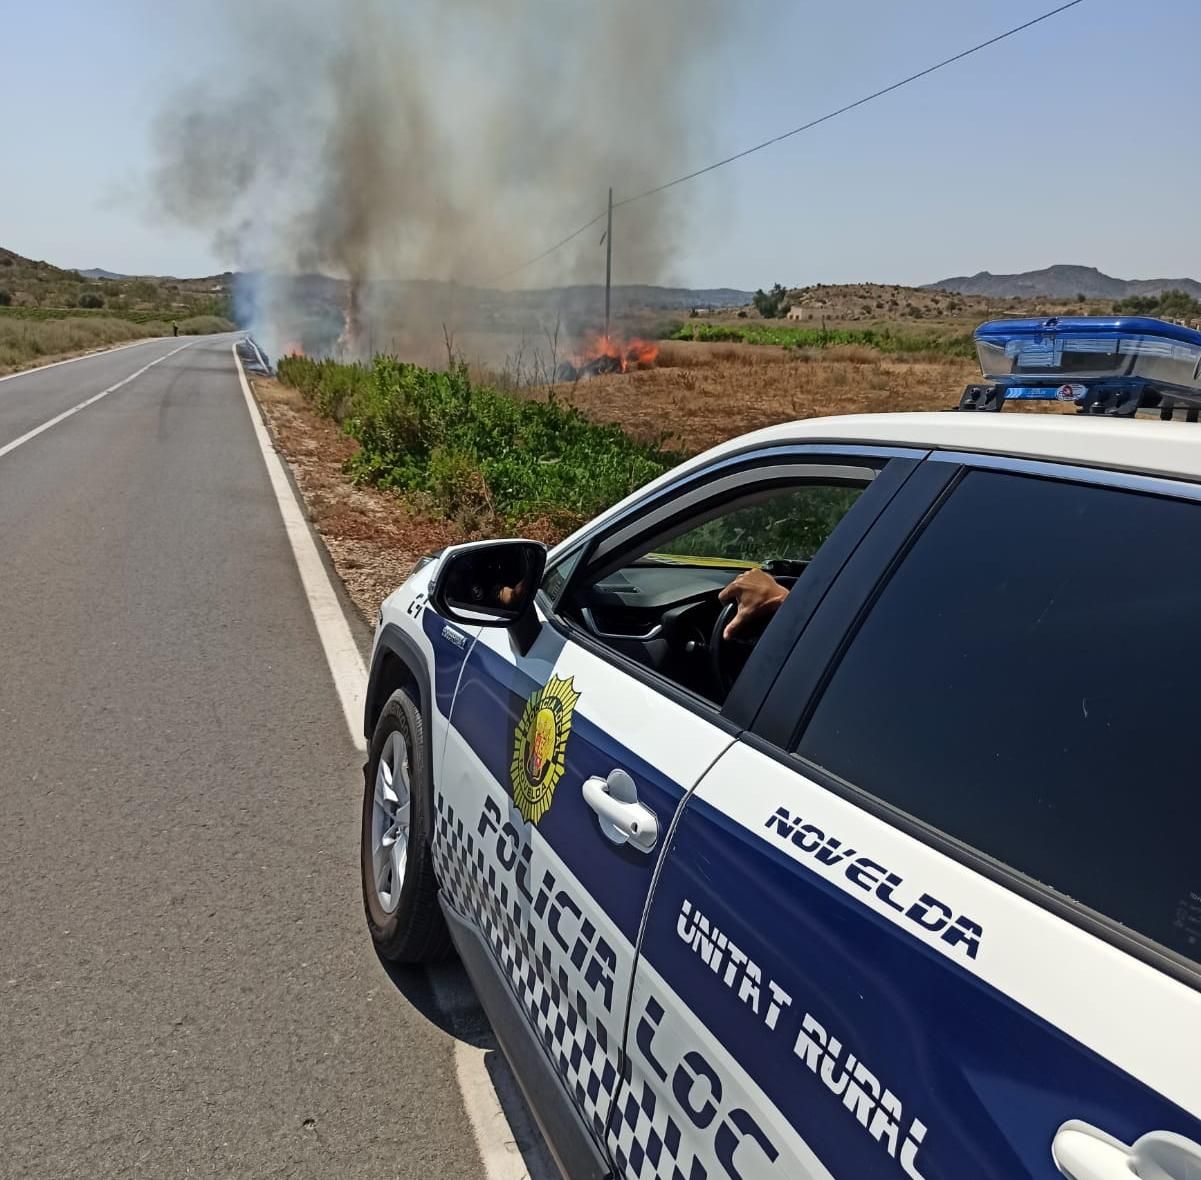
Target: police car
{"x":909,"y":884}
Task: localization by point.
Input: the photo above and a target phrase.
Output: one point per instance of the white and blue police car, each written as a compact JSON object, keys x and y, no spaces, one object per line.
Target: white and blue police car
{"x":908,"y":885}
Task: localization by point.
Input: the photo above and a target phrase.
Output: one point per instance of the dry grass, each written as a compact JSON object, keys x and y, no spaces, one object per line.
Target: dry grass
{"x":30,"y":342}
{"x":702,"y":394}
{"x":24,"y":342}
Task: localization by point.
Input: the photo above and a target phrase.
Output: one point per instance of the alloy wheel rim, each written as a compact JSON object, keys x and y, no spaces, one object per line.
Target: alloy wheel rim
{"x":390,"y":812}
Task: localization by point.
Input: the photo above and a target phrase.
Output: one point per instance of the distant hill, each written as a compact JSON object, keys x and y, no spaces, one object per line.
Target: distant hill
{"x":1061,"y":282}
{"x":32,"y":283}
{"x":637,"y":296}
{"x":569,"y":300}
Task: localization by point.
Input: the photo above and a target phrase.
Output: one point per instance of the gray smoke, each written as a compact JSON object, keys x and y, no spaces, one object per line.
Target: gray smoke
{"x":380,"y":140}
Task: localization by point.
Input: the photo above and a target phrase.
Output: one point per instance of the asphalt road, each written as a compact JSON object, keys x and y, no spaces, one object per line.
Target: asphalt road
{"x":186,"y":984}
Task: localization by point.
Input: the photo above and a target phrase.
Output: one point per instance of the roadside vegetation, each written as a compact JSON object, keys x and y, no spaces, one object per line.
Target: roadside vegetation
{"x":481,"y":458}
{"x":28,"y":341}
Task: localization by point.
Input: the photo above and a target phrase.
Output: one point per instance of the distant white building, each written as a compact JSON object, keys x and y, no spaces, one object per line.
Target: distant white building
{"x":809,"y":310}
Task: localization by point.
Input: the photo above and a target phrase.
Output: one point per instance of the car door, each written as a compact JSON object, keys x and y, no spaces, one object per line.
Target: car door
{"x":521,"y":851}
{"x":551,"y":750}
{"x":940,"y":914}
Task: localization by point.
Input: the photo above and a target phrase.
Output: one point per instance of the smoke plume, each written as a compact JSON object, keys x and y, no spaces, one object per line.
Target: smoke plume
{"x":383,"y":140}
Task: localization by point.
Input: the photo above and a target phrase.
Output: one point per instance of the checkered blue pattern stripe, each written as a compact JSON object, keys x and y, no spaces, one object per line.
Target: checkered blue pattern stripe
{"x":646,"y":1140}
{"x":578,"y":1046}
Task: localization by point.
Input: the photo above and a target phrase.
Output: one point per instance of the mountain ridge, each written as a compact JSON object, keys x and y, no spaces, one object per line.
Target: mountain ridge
{"x":1061,"y":281}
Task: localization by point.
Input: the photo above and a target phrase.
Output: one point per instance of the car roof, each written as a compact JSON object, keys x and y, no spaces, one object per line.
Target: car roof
{"x":1123,"y":444}
{"x":1171,"y":449}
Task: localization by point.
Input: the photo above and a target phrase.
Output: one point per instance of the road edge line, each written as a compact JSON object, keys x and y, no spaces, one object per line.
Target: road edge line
{"x":9,"y":447}
{"x":495,"y":1137}
{"x":87,"y":356}
{"x":342,"y":655}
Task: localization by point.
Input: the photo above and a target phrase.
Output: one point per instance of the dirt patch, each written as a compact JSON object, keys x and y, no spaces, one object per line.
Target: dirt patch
{"x":373,"y":537}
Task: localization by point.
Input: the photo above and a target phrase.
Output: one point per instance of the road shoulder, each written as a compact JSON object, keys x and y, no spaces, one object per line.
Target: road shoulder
{"x":372,"y":537}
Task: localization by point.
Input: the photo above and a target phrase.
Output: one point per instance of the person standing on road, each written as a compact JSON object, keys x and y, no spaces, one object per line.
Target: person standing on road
{"x":174,"y":328}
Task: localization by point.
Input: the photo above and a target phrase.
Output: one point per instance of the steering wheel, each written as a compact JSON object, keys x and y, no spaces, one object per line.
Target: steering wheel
{"x":727,"y":656}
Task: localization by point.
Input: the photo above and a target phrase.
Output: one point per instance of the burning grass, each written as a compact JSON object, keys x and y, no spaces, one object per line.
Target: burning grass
{"x":609,"y":354}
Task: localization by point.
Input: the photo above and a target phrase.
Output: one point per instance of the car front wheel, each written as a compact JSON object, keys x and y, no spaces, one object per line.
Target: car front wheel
{"x":400,"y":891}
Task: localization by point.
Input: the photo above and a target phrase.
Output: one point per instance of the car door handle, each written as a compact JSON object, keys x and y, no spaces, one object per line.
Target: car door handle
{"x":1082,"y":1152}
{"x":622,"y":818}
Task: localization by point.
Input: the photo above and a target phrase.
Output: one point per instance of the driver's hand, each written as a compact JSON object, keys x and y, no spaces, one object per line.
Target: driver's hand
{"x":758,"y":596}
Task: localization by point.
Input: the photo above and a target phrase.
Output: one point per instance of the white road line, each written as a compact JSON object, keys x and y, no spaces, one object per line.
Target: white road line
{"x":341,"y":652}
{"x":83,"y":405}
{"x":87,"y":356}
{"x":510,"y":1144}
{"x":499,"y":1148}
{"x":503,"y":1148}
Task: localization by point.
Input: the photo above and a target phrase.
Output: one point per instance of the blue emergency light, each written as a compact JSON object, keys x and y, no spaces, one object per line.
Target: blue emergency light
{"x":1103,"y":365}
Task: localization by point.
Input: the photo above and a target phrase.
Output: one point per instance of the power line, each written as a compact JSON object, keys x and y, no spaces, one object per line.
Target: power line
{"x":650,"y":192}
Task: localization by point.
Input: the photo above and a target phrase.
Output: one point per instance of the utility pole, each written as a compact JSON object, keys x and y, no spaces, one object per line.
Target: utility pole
{"x":608,"y":262}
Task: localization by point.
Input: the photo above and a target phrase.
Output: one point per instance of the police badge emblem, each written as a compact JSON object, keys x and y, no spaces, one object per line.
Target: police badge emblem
{"x":540,"y":745}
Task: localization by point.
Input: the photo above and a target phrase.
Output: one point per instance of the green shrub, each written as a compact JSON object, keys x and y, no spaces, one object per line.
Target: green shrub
{"x":773,"y":304}
{"x":478,"y":455}
{"x":90,"y":299}
{"x":1172,"y":304}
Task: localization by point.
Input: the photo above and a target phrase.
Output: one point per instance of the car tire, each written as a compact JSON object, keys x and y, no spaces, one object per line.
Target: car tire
{"x":400,"y":889}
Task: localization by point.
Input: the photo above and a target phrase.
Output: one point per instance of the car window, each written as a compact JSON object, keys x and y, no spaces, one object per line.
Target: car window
{"x":657,"y":603}
{"x":791,"y":524}
{"x":1027,"y":682}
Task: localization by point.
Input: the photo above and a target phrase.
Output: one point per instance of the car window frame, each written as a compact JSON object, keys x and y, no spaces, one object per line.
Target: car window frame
{"x":814,"y":659}
{"x":678,"y":499}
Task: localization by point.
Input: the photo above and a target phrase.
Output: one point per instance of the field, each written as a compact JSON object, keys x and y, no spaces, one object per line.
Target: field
{"x":701,"y":394}
{"x":884,"y":338}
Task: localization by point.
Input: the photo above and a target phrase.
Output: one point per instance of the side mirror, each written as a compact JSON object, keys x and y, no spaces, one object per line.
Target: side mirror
{"x":490,"y":584}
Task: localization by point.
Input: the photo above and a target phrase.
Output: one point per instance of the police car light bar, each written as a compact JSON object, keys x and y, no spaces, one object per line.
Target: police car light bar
{"x":1114,"y":366}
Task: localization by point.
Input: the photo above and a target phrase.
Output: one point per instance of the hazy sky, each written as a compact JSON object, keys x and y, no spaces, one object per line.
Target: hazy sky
{"x":1077,"y":141}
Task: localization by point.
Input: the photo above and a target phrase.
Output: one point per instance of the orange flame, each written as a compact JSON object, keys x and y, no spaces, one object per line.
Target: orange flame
{"x":294,"y":348}
{"x":606,"y":354}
